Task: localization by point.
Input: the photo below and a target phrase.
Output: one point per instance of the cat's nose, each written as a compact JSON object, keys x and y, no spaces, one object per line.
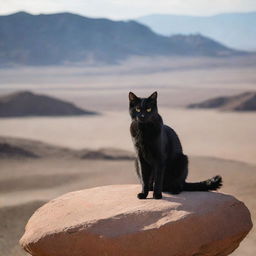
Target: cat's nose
{"x":142,"y":116}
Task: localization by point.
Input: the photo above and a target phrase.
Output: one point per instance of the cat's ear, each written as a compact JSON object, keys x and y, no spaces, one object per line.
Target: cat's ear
{"x":153,"y":96}
{"x":132,"y":96}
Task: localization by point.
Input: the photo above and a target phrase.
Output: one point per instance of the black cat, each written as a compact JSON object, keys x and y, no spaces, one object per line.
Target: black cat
{"x":160,"y":163}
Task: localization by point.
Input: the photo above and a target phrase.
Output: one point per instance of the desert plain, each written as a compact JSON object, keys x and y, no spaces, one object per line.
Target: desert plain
{"x":216,"y":142}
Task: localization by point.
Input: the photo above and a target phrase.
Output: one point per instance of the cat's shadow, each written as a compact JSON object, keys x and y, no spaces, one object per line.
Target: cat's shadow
{"x":191,"y":201}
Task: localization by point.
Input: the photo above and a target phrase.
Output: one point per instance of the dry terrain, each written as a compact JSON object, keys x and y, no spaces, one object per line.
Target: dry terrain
{"x":202,"y":132}
{"x":179,"y":81}
{"x":217,"y":142}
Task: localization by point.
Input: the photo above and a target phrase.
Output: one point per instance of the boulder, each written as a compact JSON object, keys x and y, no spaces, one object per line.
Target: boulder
{"x":111,"y":221}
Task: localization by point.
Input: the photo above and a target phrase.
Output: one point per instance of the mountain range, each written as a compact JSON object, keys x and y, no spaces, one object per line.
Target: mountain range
{"x":65,"y":38}
{"x":236,"y":30}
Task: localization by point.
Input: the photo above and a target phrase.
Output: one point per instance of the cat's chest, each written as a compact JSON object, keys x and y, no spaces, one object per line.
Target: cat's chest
{"x":145,"y":138}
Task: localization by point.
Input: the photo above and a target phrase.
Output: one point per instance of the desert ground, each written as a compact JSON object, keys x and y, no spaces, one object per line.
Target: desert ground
{"x":216,"y":142}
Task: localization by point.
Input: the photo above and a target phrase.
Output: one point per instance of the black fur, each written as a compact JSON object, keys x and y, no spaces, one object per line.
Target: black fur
{"x":160,"y":163}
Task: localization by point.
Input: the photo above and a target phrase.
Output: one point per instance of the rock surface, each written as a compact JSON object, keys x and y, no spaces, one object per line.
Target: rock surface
{"x":111,"y":221}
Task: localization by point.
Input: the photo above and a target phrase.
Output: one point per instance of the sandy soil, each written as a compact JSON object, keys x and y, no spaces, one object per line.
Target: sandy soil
{"x":202,"y":132}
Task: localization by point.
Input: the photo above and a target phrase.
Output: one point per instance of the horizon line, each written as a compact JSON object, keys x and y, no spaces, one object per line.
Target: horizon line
{"x":134,"y":18}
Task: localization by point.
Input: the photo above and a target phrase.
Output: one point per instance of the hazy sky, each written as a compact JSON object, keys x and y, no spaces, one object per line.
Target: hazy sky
{"x":127,"y":9}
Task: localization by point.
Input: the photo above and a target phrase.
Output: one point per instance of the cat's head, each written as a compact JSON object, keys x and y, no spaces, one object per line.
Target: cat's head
{"x":143,"y":109}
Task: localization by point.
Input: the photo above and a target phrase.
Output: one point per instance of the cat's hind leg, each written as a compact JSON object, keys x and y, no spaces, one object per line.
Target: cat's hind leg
{"x":176,"y":175}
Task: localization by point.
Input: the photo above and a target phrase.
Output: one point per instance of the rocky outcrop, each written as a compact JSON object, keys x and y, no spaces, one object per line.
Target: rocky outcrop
{"x":111,"y":221}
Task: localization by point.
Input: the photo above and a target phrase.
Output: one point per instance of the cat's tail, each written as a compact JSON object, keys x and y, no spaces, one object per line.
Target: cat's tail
{"x":211,"y":184}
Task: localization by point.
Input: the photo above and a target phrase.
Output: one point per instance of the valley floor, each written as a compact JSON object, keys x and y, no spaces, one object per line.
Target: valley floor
{"x":228,"y":135}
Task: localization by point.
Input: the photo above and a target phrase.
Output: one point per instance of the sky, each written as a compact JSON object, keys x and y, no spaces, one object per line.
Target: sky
{"x":128,"y":9}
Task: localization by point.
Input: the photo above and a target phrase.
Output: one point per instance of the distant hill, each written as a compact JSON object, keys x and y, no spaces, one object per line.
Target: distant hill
{"x":26,"y":103}
{"x":235,"y":30}
{"x":65,"y":38}
{"x":242,"y":102}
{"x":24,"y":148}
{"x":10,"y":151}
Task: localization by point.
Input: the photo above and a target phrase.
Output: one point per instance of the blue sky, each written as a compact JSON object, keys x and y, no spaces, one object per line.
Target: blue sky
{"x":127,"y":9}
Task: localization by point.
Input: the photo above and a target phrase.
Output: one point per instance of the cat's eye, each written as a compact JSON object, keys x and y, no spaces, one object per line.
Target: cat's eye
{"x":137,"y":109}
{"x":149,"y":109}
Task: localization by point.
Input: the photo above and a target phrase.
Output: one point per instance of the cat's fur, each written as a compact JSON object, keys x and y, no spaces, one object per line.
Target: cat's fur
{"x":160,"y":163}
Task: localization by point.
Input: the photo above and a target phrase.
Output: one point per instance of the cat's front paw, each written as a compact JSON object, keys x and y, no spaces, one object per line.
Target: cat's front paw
{"x":142,"y":195}
{"x":157,"y":195}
